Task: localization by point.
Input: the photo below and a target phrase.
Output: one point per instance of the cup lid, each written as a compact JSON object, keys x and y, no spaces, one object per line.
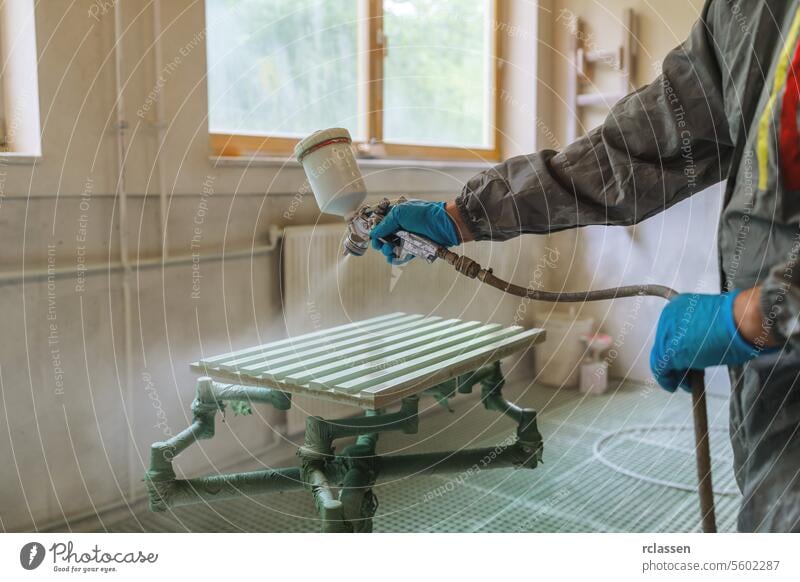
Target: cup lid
{"x":317,"y":138}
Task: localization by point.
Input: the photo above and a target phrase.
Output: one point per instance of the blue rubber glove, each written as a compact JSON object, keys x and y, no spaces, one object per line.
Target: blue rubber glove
{"x":695,"y":332}
{"x":428,"y":219}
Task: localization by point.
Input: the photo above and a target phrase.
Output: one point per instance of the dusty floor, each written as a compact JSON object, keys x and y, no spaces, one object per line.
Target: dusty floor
{"x":607,"y":460}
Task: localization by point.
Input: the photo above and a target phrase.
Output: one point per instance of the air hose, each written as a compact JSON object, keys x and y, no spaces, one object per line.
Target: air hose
{"x":705,"y":490}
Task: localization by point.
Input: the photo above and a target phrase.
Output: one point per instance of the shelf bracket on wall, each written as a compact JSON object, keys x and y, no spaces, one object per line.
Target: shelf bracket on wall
{"x":587,"y":58}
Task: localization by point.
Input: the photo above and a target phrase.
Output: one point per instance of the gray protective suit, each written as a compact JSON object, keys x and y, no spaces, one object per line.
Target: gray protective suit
{"x":716,"y":112}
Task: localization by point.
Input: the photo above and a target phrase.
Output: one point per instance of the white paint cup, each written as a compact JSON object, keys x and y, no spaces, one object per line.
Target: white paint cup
{"x":328,"y":160}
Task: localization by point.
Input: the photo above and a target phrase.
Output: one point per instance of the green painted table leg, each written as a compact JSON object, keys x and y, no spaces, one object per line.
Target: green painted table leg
{"x":357,"y":497}
{"x":356,"y":470}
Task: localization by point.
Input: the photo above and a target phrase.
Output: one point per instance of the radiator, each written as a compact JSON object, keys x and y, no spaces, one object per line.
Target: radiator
{"x":320,"y":289}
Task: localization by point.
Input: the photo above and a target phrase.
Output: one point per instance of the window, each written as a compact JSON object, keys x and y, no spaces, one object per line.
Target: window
{"x":418,"y":77}
{"x":20,"y":132}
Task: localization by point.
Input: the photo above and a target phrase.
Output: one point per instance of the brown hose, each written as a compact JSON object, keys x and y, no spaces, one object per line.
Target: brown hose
{"x":473,"y":270}
{"x":702,"y":451}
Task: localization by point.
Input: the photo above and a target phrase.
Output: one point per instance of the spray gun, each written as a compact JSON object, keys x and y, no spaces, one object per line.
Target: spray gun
{"x":329,"y":163}
{"x":407,"y":245}
{"x":328,"y":160}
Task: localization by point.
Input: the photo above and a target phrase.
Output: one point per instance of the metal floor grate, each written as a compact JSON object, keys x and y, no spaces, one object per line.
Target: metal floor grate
{"x":572,"y":491}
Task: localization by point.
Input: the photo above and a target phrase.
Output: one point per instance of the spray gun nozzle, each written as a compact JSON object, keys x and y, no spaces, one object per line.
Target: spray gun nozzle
{"x":354,"y":245}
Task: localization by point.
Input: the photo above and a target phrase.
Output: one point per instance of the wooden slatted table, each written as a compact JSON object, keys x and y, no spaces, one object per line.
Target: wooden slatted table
{"x":373,"y":363}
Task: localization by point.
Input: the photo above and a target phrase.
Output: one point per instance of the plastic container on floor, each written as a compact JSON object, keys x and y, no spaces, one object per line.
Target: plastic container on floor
{"x":594,"y":378}
{"x":559,"y":357}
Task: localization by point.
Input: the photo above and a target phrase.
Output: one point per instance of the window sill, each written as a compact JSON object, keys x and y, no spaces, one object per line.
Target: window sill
{"x":15,"y":159}
{"x":381,"y":163}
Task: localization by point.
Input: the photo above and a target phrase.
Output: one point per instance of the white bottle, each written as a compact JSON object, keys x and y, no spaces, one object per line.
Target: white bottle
{"x":328,"y":160}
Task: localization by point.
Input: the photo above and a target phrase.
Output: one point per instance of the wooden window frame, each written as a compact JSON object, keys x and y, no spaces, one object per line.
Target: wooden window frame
{"x":238,"y":145}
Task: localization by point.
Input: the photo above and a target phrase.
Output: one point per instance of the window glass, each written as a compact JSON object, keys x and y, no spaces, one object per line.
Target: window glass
{"x":438,"y":73}
{"x":283,"y":67}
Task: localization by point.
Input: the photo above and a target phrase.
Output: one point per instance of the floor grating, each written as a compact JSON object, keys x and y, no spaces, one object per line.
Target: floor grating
{"x":643,"y":436}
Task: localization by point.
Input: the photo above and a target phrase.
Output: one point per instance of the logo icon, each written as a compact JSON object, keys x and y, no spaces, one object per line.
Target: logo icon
{"x":31,"y":555}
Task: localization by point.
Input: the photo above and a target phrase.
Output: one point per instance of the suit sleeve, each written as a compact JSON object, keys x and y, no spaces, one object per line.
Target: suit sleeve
{"x":780,"y":302}
{"x":658,"y":146}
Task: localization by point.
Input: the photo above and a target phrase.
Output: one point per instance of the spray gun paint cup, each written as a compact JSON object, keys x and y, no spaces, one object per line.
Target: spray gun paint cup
{"x":328,"y":160}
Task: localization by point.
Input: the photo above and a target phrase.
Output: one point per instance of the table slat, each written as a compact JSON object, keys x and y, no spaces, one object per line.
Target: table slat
{"x":269,"y":360}
{"x":355,"y":327}
{"x":421,"y":359}
{"x":477,"y":355}
{"x":268,"y":368}
{"x":307,"y":371}
{"x":400,"y":355}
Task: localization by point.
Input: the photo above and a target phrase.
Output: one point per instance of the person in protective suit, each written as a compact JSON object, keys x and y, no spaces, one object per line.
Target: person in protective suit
{"x":725,"y":107}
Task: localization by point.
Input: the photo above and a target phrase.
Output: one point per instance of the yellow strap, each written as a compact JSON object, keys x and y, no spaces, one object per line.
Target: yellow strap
{"x":780,"y":80}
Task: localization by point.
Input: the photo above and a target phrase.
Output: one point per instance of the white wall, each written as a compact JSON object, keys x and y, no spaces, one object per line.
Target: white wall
{"x":676,"y":248}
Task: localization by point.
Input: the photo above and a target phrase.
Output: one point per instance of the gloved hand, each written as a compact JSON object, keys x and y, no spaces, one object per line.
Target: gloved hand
{"x":694,"y":332}
{"x":428,"y":219}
